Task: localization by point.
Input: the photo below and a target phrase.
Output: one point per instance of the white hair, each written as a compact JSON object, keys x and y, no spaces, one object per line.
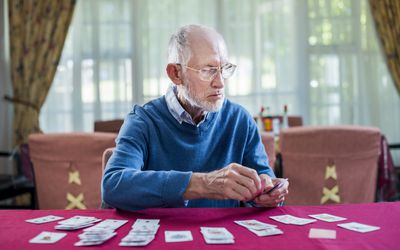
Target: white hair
{"x":179,"y":45}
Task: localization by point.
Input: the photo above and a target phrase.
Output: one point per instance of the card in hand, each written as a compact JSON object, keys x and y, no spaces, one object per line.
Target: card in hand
{"x":358,"y":227}
{"x":275,"y":187}
{"x":327,"y":217}
{"x":47,"y":238}
{"x":44,"y":219}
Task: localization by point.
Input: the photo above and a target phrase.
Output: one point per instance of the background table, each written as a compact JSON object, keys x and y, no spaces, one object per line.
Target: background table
{"x":15,"y":233}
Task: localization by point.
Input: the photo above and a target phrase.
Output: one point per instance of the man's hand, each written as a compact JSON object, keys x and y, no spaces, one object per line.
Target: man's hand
{"x":231,"y":182}
{"x":276,"y":196}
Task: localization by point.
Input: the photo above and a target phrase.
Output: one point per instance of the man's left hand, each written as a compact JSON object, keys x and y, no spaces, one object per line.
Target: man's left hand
{"x":274,"y":198}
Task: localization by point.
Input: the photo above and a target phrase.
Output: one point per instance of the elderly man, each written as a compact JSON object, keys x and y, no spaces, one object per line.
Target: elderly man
{"x":191,"y":147}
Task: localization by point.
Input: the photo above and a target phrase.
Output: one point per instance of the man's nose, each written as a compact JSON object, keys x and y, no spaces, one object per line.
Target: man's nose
{"x":219,"y":81}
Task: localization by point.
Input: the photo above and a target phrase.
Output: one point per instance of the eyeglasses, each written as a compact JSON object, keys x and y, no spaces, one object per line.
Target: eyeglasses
{"x":209,"y":73}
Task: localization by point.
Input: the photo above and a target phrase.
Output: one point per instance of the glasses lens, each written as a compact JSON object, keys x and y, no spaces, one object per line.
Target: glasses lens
{"x":228,"y":70}
{"x":208,"y":74}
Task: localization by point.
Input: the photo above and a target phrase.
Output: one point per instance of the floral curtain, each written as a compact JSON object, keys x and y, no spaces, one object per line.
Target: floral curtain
{"x":386,"y":14}
{"x":37,"y":34}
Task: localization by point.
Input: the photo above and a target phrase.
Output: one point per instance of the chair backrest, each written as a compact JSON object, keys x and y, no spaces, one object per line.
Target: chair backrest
{"x":268,"y":140}
{"x":68,"y":168}
{"x":106,"y":156}
{"x":330,"y":164}
{"x":111,"y":126}
{"x":295,"y":121}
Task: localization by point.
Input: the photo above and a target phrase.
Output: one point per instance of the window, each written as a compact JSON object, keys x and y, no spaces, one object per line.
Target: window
{"x":321,"y":57}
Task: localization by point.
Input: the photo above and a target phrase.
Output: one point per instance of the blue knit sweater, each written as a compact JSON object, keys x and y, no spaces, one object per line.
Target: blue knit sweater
{"x":156,"y":155}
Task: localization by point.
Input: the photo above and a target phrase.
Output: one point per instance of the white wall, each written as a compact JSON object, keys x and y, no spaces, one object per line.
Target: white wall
{"x":5,"y":88}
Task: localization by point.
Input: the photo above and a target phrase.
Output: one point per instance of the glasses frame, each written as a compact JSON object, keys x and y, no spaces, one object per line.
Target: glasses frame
{"x":211,"y":78}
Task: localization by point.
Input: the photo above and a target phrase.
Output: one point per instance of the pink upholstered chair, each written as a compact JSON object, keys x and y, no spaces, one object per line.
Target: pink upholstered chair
{"x":110,"y":126}
{"x":268,"y":140}
{"x":68,"y":168}
{"x":330,"y":164}
{"x":106,"y":156}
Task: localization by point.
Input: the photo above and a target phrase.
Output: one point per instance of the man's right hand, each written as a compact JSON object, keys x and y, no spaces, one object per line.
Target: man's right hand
{"x":231,"y":182}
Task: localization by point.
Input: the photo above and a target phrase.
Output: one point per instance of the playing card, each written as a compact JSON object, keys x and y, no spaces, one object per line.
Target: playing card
{"x":78,"y":220}
{"x":216,"y":233}
{"x":47,"y":238}
{"x":266,"y":231}
{"x":277,"y":186}
{"x":302,"y":221}
{"x":178,"y":236}
{"x":219,"y":241}
{"x":135,"y":243}
{"x":144,"y":229}
{"x":95,"y":235}
{"x":286,"y":219}
{"x":142,"y":233}
{"x":358,"y":227}
{"x":316,"y":233}
{"x":92,"y":241}
{"x":137,"y":238}
{"x":99,"y":233}
{"x":289,"y":219}
{"x":72,"y":227}
{"x":108,"y":224}
{"x":253,"y":224}
{"x":149,"y":222}
{"x":327,"y":217}
{"x":44,"y":219}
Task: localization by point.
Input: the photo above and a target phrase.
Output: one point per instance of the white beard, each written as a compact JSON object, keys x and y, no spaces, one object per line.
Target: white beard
{"x":186,"y":93}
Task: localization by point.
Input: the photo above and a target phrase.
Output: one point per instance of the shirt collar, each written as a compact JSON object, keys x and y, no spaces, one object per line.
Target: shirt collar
{"x":176,"y":109}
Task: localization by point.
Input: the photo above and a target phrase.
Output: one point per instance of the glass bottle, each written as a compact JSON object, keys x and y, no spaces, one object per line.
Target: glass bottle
{"x":285,"y":119}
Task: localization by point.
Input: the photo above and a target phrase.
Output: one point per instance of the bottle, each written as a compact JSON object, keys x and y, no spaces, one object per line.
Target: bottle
{"x":260,"y":122}
{"x":276,"y":125}
{"x":267,"y":121}
{"x":285,"y":120}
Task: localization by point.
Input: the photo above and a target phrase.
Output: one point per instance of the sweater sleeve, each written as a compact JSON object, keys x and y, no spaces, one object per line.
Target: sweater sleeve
{"x":255,"y":155}
{"x":128,"y":185}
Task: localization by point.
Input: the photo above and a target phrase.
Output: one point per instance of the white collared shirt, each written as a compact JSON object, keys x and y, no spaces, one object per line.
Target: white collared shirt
{"x":176,"y":109}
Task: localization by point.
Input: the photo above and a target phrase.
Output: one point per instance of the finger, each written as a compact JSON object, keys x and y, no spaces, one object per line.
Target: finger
{"x":250,"y":173}
{"x":259,"y":192}
{"x":269,"y":202}
{"x":234,"y":190}
{"x":267,"y":182}
{"x":245,"y":182}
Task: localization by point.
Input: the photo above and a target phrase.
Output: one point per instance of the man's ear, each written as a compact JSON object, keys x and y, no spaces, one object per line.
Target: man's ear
{"x":174,"y":73}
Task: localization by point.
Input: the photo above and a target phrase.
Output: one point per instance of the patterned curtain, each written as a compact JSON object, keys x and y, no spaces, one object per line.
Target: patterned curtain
{"x":386,"y":14}
{"x":37,"y":34}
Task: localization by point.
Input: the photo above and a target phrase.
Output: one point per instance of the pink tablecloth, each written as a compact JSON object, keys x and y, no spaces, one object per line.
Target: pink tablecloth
{"x":15,"y":232}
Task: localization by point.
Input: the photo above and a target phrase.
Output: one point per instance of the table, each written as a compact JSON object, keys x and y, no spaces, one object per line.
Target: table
{"x":15,"y":232}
